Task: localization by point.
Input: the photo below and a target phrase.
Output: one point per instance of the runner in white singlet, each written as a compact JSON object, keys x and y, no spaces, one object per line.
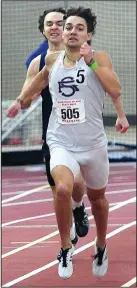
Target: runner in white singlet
{"x":51,"y":26}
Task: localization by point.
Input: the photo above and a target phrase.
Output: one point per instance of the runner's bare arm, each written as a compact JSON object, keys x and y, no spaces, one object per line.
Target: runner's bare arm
{"x":110,"y":82}
{"x":40,"y":81}
{"x":17,"y":105}
{"x":107,"y":75}
{"x":33,"y":70}
{"x":122,"y":123}
{"x":101,"y":64}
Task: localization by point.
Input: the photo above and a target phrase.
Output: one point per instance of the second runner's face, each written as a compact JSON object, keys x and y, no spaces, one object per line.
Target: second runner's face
{"x":53,"y":27}
{"x":75,"y":32}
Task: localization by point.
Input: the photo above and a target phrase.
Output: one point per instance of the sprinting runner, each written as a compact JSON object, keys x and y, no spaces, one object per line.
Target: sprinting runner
{"x":51,"y":26}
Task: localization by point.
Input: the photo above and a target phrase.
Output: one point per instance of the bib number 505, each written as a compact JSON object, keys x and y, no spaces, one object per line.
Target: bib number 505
{"x":70,"y":113}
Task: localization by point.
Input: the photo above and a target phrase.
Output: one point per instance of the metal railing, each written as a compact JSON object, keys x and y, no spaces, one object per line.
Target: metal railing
{"x":20,"y":120}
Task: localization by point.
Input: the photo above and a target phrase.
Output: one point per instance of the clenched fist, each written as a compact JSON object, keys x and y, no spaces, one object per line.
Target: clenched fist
{"x":122,"y":124}
{"x":86,"y":52}
{"x":14,"y":109}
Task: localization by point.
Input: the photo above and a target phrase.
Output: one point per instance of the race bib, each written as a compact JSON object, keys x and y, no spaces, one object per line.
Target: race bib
{"x":70,"y":111}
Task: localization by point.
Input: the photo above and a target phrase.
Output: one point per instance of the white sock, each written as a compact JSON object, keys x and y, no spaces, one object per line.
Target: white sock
{"x":72,"y":231}
{"x":76,"y":204}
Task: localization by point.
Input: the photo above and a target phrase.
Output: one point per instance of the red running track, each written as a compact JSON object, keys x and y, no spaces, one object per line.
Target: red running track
{"x":36,"y":265}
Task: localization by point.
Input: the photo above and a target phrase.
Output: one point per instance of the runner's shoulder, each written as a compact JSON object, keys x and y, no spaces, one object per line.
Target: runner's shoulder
{"x":34,"y":65}
{"x":51,"y":58}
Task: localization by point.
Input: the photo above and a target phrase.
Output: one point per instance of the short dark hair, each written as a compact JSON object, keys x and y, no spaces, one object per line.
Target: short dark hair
{"x":42,"y":17}
{"x":86,"y":14}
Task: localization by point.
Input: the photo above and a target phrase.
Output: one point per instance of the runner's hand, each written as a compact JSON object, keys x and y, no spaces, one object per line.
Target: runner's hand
{"x":122,"y":124}
{"x":13,"y":110}
{"x":86,"y":52}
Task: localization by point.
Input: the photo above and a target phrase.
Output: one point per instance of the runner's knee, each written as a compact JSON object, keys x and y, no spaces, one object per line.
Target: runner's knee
{"x":96,"y":195}
{"x":62,"y":192}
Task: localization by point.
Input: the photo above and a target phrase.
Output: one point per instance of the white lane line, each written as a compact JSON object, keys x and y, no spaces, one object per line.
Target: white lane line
{"x":77,"y":251}
{"x":36,"y":247}
{"x":31,"y":226}
{"x":48,"y":226}
{"x":27,"y":219}
{"x":121,"y":218}
{"x":43,"y":216}
{"x":28,"y":202}
{"x":130,"y":282}
{"x":49,"y":190}
{"x":25,"y":194}
{"x":110,"y":204}
{"x":26,"y":184}
{"x":121,"y":184}
{"x":49,"y":242}
{"x":51,"y":199}
{"x":21,"y":191}
{"x":57,"y":232}
{"x":119,"y":205}
{"x":11,"y":193}
{"x":121,"y":191}
{"x":31,"y":244}
{"x":29,"y":178}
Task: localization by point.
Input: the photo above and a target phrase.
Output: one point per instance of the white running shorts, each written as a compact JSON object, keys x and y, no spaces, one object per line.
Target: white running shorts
{"x":93,"y":164}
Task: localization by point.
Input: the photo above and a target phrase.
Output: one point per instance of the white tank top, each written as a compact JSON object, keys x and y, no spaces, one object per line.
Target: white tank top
{"x":78,"y":99}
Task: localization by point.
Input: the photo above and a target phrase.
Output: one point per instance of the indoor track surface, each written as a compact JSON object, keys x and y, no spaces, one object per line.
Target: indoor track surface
{"x":30,"y":239}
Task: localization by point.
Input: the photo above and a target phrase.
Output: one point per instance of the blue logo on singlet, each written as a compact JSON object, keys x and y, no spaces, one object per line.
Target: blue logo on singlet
{"x":67,"y":82}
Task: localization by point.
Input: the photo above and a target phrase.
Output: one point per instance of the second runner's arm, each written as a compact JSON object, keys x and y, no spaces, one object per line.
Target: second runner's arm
{"x":39,"y":82}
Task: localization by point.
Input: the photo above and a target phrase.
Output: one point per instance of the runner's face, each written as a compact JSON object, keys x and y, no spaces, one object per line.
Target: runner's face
{"x":75,"y":32}
{"x":53,"y":27}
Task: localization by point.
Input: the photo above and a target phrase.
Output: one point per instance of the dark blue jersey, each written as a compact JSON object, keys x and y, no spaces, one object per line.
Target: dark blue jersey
{"x":41,"y":49}
{"x":46,"y":97}
{"x":46,"y":102}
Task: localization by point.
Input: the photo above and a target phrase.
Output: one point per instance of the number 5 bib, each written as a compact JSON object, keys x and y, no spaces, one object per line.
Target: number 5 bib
{"x":70,"y":111}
